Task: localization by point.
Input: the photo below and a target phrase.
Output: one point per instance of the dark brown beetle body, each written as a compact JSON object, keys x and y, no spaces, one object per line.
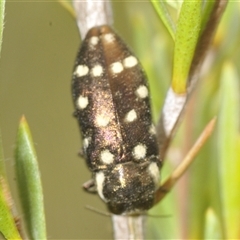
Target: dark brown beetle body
{"x":111,"y":98}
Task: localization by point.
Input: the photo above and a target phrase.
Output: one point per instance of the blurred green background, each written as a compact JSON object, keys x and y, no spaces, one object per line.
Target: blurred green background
{"x":40,"y":43}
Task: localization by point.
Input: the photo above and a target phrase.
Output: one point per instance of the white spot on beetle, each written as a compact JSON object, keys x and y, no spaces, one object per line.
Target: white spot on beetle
{"x":116,"y":67}
{"x":152,"y":129}
{"x":99,"y":178}
{"x":130,"y":61}
{"x":82,"y":70}
{"x":97,"y":71}
{"x":109,"y":37}
{"x":102,"y":120}
{"x":94,"y":40}
{"x":142,"y":91}
{"x":131,"y":116}
{"x":139,"y":151}
{"x":82,"y":102}
{"x":106,"y":157}
{"x":154,"y":172}
{"x":86,"y":142}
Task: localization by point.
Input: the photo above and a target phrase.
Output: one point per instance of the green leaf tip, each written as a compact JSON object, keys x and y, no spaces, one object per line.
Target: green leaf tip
{"x":164,"y":15}
{"x":212,"y":229}
{"x":68,"y":6}
{"x":29,"y":182}
{"x":23,"y":123}
{"x":23,"y":119}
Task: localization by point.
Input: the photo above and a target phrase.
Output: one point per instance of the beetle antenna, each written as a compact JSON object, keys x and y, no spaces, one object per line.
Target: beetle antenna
{"x":106,"y":214}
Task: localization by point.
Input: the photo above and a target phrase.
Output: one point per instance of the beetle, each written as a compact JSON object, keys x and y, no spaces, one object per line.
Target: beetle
{"x":112,"y":105}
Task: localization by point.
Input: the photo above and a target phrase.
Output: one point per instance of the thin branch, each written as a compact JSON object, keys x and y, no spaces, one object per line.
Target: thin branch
{"x":92,"y":13}
{"x":128,"y":227}
{"x":172,"y":109}
{"x":199,"y":55}
{"x":181,"y":169}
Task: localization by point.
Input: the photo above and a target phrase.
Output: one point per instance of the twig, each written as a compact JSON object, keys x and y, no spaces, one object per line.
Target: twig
{"x":128,"y":227}
{"x":181,"y":169}
{"x":199,"y":56}
{"x":92,"y":13}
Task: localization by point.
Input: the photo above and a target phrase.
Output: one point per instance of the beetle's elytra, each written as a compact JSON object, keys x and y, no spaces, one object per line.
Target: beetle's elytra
{"x":112,"y":105}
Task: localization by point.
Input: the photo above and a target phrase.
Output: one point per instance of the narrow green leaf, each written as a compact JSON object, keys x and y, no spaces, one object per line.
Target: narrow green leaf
{"x":2,"y":10}
{"x":29,"y":183}
{"x":68,"y":6}
{"x":212,"y":226}
{"x":164,"y":15}
{"x":7,"y":223}
{"x":229,"y":151}
{"x":188,"y":28}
